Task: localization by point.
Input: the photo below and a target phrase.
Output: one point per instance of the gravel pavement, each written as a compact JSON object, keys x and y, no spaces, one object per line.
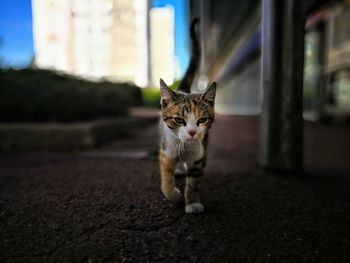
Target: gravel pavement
{"x":106,"y":206}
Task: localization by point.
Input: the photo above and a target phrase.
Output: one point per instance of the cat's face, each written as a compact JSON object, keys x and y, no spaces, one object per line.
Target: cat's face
{"x":188,"y":116}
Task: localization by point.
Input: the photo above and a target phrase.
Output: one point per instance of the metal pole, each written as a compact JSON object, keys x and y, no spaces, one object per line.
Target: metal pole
{"x":281,"y":141}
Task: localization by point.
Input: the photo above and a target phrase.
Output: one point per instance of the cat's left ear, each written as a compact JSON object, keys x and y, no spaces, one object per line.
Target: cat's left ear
{"x":209,"y":94}
{"x":167,"y":95}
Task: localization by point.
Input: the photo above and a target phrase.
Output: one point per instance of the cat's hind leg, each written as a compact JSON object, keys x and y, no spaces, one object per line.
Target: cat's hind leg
{"x":167,"y":167}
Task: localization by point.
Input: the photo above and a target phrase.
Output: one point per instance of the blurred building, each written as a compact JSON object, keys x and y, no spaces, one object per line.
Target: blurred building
{"x":162,"y":45}
{"x":327,"y":61}
{"x":94,"y":39}
{"x":231,"y":55}
{"x":52,"y":34}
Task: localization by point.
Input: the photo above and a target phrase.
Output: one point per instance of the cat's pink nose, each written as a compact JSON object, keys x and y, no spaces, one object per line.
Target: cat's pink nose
{"x":191,"y":133}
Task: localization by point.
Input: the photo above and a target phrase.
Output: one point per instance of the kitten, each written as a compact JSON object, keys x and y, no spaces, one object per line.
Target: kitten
{"x":185,"y":120}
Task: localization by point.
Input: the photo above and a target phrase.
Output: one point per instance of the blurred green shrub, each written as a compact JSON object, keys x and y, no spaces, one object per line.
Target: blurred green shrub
{"x":42,"y":95}
{"x":151,"y":97}
{"x":175,"y":84}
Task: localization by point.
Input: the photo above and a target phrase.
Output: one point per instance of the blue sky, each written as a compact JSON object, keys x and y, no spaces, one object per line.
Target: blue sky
{"x":16,"y":40}
{"x":16,"y":45}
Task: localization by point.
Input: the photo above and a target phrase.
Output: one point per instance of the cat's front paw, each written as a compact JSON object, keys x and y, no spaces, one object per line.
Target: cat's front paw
{"x":194,"y":208}
{"x":174,"y":195}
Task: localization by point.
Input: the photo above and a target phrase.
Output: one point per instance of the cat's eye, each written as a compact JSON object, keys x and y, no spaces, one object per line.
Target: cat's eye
{"x":202,"y":120}
{"x":179,"y":120}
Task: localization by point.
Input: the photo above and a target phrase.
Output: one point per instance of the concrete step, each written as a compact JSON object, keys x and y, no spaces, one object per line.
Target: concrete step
{"x":68,"y":136}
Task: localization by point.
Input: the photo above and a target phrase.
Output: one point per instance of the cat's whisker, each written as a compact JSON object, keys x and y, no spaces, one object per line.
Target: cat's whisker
{"x":172,"y":143}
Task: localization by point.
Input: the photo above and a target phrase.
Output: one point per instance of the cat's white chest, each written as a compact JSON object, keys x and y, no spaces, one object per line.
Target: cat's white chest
{"x":192,"y":151}
{"x":186,"y":152}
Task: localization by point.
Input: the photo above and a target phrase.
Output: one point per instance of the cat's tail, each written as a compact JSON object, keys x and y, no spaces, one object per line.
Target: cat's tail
{"x":185,"y":84}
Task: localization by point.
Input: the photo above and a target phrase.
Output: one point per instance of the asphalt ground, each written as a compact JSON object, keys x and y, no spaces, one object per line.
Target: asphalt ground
{"x":106,"y":205}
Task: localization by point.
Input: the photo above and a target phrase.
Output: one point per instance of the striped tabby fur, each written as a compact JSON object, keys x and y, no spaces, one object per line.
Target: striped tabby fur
{"x":185,"y":120}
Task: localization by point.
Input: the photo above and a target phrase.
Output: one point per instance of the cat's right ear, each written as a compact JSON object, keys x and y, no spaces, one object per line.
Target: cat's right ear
{"x":166,"y":94}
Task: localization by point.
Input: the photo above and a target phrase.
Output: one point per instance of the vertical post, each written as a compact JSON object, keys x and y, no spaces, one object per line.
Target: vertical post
{"x":281,"y":133}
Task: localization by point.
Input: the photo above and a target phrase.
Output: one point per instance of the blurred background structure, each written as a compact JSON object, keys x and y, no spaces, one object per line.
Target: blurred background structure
{"x":75,"y":60}
{"x":110,"y":39}
{"x":232,"y":55}
{"x":258,"y":60}
{"x":327,"y":61}
{"x":138,"y":42}
{"x":162,"y":44}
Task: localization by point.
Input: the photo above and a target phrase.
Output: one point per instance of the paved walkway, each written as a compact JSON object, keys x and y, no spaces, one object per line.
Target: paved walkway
{"x":105,"y":206}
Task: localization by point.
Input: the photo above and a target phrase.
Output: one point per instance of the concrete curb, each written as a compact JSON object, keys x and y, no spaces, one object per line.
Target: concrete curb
{"x":66,"y":136}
